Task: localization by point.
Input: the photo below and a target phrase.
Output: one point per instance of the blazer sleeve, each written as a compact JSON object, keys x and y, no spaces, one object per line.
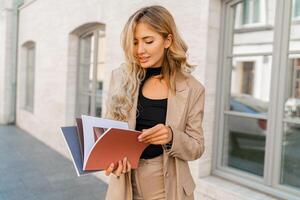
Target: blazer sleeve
{"x":189,"y":144}
{"x":115,"y":79}
{"x":110,"y":89}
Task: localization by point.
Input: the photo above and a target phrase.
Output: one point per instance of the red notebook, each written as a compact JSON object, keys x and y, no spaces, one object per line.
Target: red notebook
{"x":113,"y":145}
{"x":95,"y":143}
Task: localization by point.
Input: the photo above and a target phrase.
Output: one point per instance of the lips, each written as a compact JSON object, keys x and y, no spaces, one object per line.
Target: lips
{"x":144,"y":59}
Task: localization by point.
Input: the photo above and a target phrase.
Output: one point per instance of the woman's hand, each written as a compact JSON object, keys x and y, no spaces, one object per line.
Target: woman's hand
{"x":123,"y":167}
{"x":159,"y":134}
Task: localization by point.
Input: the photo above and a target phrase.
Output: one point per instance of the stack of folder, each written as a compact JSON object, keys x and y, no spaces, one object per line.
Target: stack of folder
{"x":94,"y":143}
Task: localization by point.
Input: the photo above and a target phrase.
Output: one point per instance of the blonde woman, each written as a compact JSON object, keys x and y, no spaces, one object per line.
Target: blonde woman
{"x":155,"y":93}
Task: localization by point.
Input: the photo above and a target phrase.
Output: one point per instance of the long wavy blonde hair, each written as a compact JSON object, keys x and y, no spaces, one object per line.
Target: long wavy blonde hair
{"x":120,"y":100}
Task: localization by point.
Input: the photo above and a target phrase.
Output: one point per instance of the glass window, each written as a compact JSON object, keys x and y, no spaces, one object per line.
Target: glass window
{"x":246,"y":113}
{"x":294,"y":42}
{"x":246,"y":144}
{"x":91,"y":73}
{"x":30,"y":68}
{"x":291,"y":126}
{"x":259,"y":122}
{"x":247,"y":102}
{"x":250,"y":12}
{"x":296,"y":9}
{"x":290,"y":146}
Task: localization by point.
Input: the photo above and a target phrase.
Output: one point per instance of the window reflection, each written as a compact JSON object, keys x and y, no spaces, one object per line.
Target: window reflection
{"x":249,"y":89}
{"x":247,"y":77}
{"x":296,"y":9}
{"x":290,"y":159}
{"x":246,"y":149}
{"x":292,"y":104}
{"x":249,"y":13}
{"x":295,"y":26}
{"x":290,"y":174}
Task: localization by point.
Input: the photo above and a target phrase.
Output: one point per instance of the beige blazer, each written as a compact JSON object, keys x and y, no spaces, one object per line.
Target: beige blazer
{"x":184,"y":116}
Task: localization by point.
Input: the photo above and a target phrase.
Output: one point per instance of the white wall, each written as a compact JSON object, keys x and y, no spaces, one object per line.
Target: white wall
{"x":6,"y":37}
{"x":49,"y":24}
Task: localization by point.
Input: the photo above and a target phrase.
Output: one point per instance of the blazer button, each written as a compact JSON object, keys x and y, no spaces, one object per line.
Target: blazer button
{"x":167,"y":174}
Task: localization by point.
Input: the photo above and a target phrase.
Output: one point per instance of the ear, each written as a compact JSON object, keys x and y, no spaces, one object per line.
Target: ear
{"x":168,"y":41}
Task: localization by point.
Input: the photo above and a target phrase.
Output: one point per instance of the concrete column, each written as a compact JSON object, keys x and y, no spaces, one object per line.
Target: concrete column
{"x":6,"y":62}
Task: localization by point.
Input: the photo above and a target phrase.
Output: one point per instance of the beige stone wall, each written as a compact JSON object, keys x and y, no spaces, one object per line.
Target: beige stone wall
{"x":6,"y":62}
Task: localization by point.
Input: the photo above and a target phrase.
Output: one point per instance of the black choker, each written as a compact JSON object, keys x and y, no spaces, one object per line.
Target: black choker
{"x":153,"y":71}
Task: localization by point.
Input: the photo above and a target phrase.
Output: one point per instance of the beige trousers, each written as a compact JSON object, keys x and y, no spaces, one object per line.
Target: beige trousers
{"x":148,"y":180}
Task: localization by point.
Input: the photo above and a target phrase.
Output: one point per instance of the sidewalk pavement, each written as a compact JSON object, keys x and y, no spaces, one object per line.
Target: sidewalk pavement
{"x":30,"y":170}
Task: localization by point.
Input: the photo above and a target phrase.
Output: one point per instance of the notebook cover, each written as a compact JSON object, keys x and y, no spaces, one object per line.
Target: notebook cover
{"x":80,"y":135}
{"x":88,"y":123}
{"x":113,"y":146}
{"x":71,"y":138}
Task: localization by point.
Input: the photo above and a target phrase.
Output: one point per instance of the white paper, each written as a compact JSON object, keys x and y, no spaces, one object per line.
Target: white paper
{"x":88,"y":122}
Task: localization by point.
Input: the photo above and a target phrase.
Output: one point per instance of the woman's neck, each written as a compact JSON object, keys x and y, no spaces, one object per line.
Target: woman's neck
{"x":152,"y":71}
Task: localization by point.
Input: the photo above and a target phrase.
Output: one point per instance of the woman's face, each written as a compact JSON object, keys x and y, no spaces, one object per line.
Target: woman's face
{"x":149,"y":46}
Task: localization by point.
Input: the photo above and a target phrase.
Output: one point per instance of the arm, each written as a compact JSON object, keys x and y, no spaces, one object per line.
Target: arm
{"x":189,"y":144}
{"x":108,"y":95}
{"x":111,"y":88}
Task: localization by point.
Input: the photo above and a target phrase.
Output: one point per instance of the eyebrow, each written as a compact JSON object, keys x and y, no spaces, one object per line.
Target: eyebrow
{"x":145,"y":37}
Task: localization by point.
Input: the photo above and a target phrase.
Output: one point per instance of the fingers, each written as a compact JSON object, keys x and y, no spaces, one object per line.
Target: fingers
{"x":109,"y":169}
{"x":163,"y":139}
{"x":124,"y":166}
{"x":161,"y":136}
{"x":128,"y":166}
{"x":118,"y":171}
{"x":150,"y":131}
{"x":159,"y":133}
{"x":124,"y":170}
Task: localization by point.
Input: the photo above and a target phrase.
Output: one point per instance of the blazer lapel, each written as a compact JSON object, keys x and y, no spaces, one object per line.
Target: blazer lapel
{"x":177,"y":103}
{"x":132,"y":113}
{"x":175,"y":109}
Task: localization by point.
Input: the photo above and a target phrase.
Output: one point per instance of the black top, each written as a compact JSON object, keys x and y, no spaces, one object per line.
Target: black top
{"x":150,"y":112}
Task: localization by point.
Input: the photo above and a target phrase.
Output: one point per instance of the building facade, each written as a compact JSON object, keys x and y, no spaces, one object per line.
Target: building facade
{"x":56,"y":59}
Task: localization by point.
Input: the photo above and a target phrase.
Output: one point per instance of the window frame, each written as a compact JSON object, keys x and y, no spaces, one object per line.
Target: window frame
{"x":269,"y":183}
{"x":29,"y":46}
{"x":94,"y":31}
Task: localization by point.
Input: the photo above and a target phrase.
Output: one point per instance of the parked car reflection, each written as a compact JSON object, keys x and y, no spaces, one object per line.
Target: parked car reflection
{"x":292,"y":108}
{"x":247,"y":104}
{"x":247,"y":135}
{"x":291,"y":144}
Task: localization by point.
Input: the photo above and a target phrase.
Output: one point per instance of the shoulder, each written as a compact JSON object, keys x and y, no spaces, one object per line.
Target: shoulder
{"x":119,"y":71}
{"x":193,"y":84}
{"x":116,"y":77}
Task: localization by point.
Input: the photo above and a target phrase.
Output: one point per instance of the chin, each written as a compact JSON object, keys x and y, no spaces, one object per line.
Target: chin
{"x":145,"y":65}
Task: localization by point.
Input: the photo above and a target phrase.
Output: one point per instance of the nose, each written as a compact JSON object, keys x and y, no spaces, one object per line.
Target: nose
{"x":140,"y":48}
